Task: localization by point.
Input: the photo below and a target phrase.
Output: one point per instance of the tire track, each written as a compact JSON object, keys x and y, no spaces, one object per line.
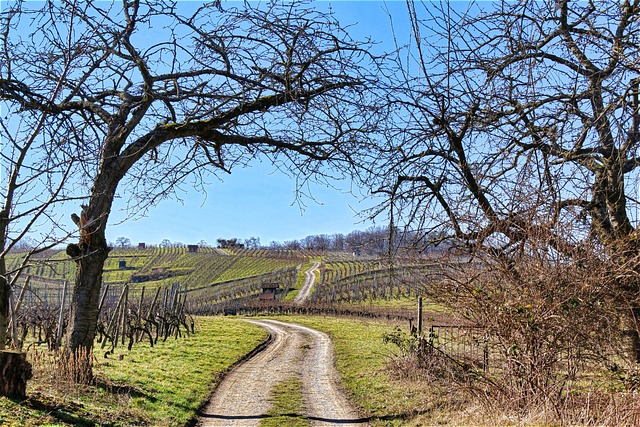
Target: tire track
{"x":310,"y":278}
{"x":241,"y":399}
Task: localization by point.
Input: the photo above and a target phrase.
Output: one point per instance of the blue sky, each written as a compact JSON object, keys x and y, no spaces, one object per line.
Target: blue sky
{"x":256,"y":201}
{"x":260,"y":201}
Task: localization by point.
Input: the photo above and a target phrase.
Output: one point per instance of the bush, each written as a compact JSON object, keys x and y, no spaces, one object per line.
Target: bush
{"x":558,"y":334}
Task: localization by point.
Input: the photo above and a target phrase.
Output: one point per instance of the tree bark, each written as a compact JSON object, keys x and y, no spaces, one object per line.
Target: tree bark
{"x":15,"y":372}
{"x":94,"y":251}
{"x":84,"y":308}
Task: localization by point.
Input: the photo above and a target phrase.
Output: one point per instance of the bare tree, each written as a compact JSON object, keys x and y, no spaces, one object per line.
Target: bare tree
{"x":525,"y":113}
{"x":518,"y":119}
{"x":123,"y":242}
{"x":160,"y":91}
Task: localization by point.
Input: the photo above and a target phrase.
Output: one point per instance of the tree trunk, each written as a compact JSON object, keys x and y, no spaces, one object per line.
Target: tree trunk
{"x":15,"y":371}
{"x":84,"y":312}
{"x":92,"y":254}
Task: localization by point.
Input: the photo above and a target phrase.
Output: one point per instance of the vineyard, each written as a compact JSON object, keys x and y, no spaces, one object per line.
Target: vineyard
{"x":150,"y":294}
{"x":355,"y":282}
{"x":147,"y":294}
{"x":167,"y":265}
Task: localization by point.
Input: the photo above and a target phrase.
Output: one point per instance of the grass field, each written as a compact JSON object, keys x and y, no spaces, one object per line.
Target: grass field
{"x":361,"y":359}
{"x":163,"y":386}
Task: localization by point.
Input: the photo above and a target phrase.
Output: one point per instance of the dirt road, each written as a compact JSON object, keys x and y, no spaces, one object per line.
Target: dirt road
{"x":242,"y":397}
{"x":303,"y":294}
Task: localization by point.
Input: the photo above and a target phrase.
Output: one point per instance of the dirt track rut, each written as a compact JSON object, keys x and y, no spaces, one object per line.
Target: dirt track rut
{"x":241,"y":399}
{"x":309,"y":279}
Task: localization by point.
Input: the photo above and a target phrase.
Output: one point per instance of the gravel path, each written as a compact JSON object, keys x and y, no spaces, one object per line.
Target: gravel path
{"x":303,"y":294}
{"x":241,"y":399}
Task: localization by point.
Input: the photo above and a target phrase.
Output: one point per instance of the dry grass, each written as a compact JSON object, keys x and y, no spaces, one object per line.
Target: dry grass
{"x":447,"y":399}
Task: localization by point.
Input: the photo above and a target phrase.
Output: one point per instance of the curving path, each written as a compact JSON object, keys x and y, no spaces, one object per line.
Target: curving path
{"x":241,"y":399}
{"x":303,"y":294}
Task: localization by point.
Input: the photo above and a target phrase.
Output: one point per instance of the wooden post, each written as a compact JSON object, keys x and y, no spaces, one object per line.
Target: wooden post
{"x":111,"y":322}
{"x":61,"y":316}
{"x":104,"y":295}
{"x":14,"y":321}
{"x":419,"y":315}
{"x":125,"y":309}
{"x":150,"y":315}
{"x":22,"y":292}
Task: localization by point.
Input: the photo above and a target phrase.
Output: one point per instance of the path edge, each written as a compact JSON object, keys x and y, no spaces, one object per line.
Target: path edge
{"x":193,"y":421}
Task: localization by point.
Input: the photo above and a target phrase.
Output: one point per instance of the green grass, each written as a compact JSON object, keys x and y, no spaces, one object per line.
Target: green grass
{"x":162,"y":386}
{"x":288,"y":406}
{"x":177,"y":377}
{"x":361,"y":359}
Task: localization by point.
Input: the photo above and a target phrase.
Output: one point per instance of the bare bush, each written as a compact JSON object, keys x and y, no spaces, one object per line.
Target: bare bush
{"x":555,"y":349}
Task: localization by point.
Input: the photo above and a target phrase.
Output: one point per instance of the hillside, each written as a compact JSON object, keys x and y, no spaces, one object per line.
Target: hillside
{"x":160,"y":266}
{"x":214,"y":280}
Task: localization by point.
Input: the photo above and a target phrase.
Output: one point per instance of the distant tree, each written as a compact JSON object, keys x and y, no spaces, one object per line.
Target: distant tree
{"x":230,"y":243}
{"x":292,"y":245}
{"x":337,"y":242}
{"x":25,"y":244}
{"x":203,"y":243}
{"x":356,"y":240}
{"x":166,"y":243}
{"x":123,"y":242}
{"x":252,"y":242}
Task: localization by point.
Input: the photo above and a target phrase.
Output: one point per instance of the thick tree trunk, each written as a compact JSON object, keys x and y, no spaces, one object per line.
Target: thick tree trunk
{"x":92,"y":252}
{"x":84,"y":312}
{"x":15,"y":372}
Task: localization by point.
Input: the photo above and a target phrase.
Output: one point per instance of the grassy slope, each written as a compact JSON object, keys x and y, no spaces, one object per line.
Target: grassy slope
{"x":163,"y":386}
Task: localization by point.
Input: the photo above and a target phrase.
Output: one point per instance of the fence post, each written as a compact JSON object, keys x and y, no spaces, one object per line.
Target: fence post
{"x":22,"y":293}
{"x":14,"y":321}
{"x":104,"y":295}
{"x":420,"y":316}
{"x":61,"y":317}
{"x":111,"y":323}
{"x":125,"y":308}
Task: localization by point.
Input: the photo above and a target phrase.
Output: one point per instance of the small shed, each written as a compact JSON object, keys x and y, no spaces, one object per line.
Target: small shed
{"x":122,"y":264}
{"x":142,"y":245}
{"x":192,"y":248}
{"x":269,"y":291}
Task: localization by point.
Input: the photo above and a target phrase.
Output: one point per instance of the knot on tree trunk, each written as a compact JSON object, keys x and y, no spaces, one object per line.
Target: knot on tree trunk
{"x":85,"y":226}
